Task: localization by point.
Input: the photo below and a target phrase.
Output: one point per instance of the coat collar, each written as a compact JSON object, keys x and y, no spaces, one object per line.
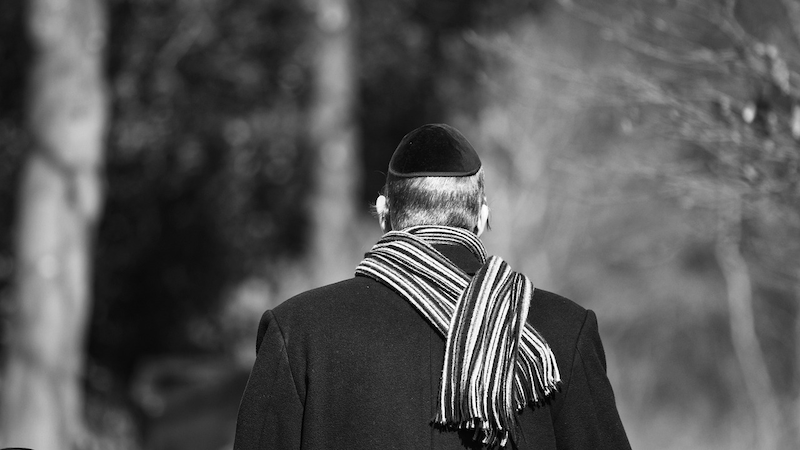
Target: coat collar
{"x":461,"y":257}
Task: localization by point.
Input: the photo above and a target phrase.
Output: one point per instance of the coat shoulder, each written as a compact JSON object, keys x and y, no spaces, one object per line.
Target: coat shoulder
{"x":554,"y":306}
{"x":559,"y":320}
{"x":357,"y":295}
{"x":353,"y":310}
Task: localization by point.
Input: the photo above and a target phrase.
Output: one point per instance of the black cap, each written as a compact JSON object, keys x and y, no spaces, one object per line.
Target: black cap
{"x":434,"y":150}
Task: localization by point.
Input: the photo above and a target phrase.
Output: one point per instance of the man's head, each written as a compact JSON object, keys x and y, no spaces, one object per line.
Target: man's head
{"x":435,"y":178}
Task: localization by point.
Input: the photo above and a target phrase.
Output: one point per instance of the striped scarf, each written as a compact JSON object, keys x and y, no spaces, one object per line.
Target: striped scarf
{"x":495,"y":362}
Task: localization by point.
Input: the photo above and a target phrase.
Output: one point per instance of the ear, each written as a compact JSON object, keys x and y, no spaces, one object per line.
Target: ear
{"x":483,"y":220}
{"x":382,"y":208}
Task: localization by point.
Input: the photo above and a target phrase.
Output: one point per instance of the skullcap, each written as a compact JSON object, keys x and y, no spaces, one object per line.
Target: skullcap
{"x":434,"y":150}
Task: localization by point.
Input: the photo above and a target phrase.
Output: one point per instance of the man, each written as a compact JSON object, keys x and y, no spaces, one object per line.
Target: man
{"x":432,"y":345}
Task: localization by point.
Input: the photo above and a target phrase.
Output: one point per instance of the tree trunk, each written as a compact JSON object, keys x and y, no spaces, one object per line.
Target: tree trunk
{"x":795,"y":413}
{"x":60,"y":198}
{"x":743,"y":331}
{"x":336,"y":167}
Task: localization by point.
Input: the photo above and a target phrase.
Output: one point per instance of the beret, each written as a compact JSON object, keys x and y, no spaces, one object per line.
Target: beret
{"x":434,"y":150}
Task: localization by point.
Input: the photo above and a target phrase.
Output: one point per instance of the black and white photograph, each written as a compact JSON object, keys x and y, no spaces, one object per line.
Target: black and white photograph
{"x":399,"y":224}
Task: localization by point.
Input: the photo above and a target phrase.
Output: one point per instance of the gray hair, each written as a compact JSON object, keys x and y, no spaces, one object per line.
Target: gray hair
{"x":449,"y":201}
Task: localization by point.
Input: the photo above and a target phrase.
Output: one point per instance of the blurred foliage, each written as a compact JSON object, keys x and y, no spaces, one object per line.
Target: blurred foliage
{"x":206,"y":167}
{"x":415,"y":67}
{"x":622,"y":138}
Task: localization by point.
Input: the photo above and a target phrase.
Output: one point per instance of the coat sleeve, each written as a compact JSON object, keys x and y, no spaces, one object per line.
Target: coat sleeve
{"x":270,"y":412}
{"x":586,"y":416}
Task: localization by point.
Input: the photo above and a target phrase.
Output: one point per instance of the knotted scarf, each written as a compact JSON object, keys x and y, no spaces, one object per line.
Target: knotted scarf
{"x":495,"y":362}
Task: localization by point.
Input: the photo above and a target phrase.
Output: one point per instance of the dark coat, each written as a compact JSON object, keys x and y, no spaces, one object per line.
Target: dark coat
{"x":353,"y":365}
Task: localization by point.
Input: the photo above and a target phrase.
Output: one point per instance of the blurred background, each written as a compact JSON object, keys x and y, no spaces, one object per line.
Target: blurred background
{"x":169,"y":169}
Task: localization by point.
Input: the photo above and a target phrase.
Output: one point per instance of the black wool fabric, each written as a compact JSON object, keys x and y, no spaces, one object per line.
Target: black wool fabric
{"x":353,"y":365}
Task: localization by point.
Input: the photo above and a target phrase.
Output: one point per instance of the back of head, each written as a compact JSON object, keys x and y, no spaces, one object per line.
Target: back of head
{"x":435,"y":178}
